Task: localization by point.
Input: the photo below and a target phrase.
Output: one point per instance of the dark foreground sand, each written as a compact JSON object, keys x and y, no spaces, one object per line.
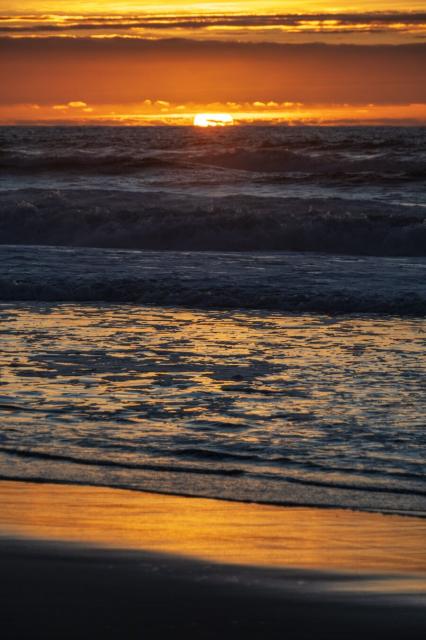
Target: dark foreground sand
{"x":61,"y":576}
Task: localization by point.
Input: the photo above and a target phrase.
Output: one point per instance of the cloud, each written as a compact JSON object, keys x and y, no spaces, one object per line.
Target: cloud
{"x":73,"y":104}
{"x":337,"y":23}
{"x":245,"y":113}
{"x":181,"y":71}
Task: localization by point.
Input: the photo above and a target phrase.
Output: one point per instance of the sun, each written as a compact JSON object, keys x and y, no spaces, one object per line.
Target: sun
{"x":213,"y":120}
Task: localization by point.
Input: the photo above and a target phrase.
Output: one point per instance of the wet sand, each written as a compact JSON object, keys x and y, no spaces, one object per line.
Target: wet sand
{"x":85,"y":562}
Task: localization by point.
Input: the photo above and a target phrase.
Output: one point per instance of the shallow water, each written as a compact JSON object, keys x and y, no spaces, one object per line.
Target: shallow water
{"x":268,"y":407}
{"x":282,"y":357}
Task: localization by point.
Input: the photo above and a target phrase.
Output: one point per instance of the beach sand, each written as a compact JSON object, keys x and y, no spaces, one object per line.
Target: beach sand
{"x":90,"y":562}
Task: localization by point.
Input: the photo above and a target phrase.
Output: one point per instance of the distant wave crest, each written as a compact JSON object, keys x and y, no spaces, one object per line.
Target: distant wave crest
{"x":283,"y":162}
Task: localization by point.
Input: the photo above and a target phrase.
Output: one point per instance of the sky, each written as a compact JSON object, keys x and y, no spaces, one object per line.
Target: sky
{"x":133,"y":62}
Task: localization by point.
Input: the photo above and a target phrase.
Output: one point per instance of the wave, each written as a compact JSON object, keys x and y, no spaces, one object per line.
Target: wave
{"x":324,"y":164}
{"x":203,"y":455}
{"x":161,"y":221}
{"x":273,"y":160}
{"x":350,"y":140}
{"x":104,"y":462}
{"x":369,"y":471}
{"x":330,"y":502}
{"x":208,"y":471}
{"x":176,"y":293}
{"x":114,"y":163}
{"x":293,"y":282}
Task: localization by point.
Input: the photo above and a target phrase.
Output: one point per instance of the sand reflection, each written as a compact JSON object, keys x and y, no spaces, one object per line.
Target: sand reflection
{"x":215,"y":530}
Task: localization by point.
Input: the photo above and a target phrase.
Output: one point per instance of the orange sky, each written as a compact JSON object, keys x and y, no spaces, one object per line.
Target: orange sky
{"x":132,"y":61}
{"x":175,"y":6}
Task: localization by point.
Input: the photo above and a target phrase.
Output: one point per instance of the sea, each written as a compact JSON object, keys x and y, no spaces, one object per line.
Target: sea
{"x":236,"y":313}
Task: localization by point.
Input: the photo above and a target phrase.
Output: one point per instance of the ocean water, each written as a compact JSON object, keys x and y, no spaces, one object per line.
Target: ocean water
{"x":334,"y":190}
{"x":236,"y":313}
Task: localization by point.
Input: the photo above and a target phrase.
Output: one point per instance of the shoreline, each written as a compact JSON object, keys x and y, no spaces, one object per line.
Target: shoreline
{"x":90,"y":562}
{"x":288,"y":504}
{"x":210,"y":529}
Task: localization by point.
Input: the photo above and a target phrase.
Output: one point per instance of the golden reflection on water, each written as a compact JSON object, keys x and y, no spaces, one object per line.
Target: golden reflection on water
{"x":314,"y":388}
{"x":307,"y":360}
{"x":215,"y":530}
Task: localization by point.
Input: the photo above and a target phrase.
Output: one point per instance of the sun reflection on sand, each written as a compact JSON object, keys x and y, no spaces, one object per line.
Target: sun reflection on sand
{"x":215,"y":530}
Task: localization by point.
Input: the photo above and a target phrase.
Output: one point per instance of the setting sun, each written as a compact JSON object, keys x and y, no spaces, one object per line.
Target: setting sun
{"x":212,"y":309}
{"x":213,"y":120}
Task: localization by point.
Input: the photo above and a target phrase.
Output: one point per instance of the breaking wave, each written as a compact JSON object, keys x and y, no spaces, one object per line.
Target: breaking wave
{"x":161,"y":221}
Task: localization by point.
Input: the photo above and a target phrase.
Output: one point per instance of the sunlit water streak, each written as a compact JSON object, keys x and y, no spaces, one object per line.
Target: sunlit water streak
{"x":258,"y":406}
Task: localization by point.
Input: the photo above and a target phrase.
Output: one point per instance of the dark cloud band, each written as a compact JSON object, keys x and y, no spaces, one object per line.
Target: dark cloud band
{"x":308,"y":23}
{"x":120,"y":70}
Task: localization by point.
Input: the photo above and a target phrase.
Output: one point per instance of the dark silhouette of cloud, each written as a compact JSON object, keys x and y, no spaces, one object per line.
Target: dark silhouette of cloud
{"x":120,"y":70}
{"x":311,"y":23}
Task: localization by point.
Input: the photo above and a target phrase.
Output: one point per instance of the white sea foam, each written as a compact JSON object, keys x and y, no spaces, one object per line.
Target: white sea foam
{"x":158,"y":220}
